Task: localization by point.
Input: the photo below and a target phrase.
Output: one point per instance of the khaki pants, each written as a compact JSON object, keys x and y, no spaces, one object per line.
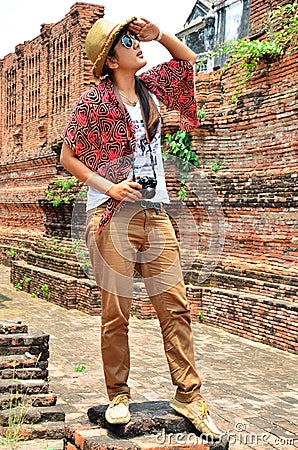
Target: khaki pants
{"x":142,"y":240}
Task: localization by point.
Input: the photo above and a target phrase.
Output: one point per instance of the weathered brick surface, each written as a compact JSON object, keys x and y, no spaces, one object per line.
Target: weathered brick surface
{"x":10,"y":400}
{"x":99,"y":438}
{"x":12,"y":327}
{"x":255,"y":139}
{"x":39,"y":84}
{"x":145,"y":418}
{"x":41,"y":102}
{"x":25,"y":398}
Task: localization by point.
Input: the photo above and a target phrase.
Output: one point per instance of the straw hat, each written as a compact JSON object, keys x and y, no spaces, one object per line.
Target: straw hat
{"x":100,"y":39}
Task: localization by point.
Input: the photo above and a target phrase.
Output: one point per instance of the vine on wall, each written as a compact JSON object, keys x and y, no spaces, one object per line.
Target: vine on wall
{"x":245,"y":55}
{"x":179,"y":145}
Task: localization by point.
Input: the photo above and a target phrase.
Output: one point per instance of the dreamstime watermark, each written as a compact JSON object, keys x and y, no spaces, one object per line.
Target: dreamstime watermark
{"x":201,"y":238}
{"x":240,"y":435}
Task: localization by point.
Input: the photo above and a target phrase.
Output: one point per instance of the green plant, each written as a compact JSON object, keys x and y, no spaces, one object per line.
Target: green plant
{"x":35,"y":293}
{"x":27,"y":280}
{"x":45,"y":291}
{"x":217,"y":165}
{"x":280,"y":29}
{"x":75,"y":245}
{"x":67,"y":183}
{"x":85,"y":266}
{"x":200,"y":316}
{"x":201,"y":113}
{"x":245,"y":57}
{"x":11,"y":252}
{"x":63,"y":191}
{"x":19,"y":285}
{"x":80,"y":368}
{"x":179,"y":145}
{"x":20,"y":403}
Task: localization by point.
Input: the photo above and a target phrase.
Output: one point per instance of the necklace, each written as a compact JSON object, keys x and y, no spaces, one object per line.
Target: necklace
{"x":133,"y":103}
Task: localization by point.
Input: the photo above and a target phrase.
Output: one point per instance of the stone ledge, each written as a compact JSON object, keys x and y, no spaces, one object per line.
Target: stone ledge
{"x":156,"y":420}
{"x":12,"y":327}
{"x":145,"y":418}
{"x":10,"y":400}
{"x":102,"y":439}
{"x":32,"y":415}
{"x":37,"y":444}
{"x":43,"y":430}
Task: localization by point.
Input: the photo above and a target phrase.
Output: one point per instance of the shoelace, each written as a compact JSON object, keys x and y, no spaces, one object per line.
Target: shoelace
{"x":121,"y":398}
{"x":204,"y":408}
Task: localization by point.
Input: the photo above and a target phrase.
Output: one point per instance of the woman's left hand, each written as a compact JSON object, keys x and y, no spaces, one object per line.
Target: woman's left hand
{"x":144,"y":29}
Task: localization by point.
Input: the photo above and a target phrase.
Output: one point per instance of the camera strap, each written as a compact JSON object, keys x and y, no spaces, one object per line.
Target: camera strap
{"x":129,"y":136}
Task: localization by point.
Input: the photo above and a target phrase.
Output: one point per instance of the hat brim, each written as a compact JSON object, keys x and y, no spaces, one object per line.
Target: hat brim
{"x":102,"y":56}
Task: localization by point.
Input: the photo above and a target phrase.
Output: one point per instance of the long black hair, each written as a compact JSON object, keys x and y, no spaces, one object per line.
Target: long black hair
{"x":149,"y":109}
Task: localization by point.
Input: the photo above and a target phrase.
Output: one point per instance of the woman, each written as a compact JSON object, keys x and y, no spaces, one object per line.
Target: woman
{"x":112,"y":144}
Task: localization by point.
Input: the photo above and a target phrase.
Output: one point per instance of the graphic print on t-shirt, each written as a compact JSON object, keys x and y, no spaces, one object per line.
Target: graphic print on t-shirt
{"x":142,"y":154}
{"x":145,"y":156}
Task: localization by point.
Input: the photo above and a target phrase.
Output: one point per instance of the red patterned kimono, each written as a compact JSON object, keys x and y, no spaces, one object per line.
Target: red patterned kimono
{"x":97,"y":128}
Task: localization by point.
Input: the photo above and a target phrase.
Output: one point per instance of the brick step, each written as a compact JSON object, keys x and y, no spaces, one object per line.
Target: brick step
{"x":21,"y":361}
{"x":270,"y":287}
{"x":250,"y":296}
{"x":100,"y":439}
{"x":256,"y":270}
{"x":64,"y":290}
{"x":252,"y":299}
{"x":29,"y":373}
{"x":149,"y":418}
{"x":34,"y":338}
{"x":62,"y":265}
{"x":32,"y":344}
{"x":255,"y":317}
{"x":27,"y":387}
{"x":145,"y":418}
{"x":41,"y":353}
{"x":95,"y":441}
{"x":43,"y":430}
{"x":12,"y":327}
{"x":12,"y":400}
{"x":275,"y":286}
{"x":31,"y":415}
{"x":37,"y":444}
{"x":62,"y":286}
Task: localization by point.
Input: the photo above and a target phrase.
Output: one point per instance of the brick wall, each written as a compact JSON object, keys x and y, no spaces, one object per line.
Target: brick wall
{"x":252,"y":289}
{"x":259,"y":9}
{"x":39,"y":83}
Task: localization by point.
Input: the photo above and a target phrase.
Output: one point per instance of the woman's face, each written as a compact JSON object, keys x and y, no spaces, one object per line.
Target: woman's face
{"x":129,"y":54}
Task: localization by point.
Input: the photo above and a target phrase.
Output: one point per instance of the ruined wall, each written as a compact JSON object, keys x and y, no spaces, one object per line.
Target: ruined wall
{"x":254,"y":144}
{"x":253,"y":289}
{"x":39,"y":83}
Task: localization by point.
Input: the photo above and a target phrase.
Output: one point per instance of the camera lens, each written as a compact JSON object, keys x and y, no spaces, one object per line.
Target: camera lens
{"x":149,"y":192}
{"x":148,"y":184}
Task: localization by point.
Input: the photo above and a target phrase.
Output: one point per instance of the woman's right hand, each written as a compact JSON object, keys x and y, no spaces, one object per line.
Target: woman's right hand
{"x":127,"y":190}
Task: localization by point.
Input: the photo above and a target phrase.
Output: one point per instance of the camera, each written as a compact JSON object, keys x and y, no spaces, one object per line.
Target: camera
{"x":148,"y":186}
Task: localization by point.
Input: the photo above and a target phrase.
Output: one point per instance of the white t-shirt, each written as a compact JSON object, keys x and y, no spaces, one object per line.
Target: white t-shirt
{"x":142,"y":160}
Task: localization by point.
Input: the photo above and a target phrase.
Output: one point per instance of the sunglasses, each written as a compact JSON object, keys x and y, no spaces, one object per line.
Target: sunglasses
{"x":127,"y":39}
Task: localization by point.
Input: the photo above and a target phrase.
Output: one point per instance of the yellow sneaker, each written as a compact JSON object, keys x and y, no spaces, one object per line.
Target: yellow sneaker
{"x":198,"y":414}
{"x":118,"y":410}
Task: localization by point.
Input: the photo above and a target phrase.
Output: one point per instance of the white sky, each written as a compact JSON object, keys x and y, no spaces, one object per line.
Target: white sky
{"x":20,"y":20}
